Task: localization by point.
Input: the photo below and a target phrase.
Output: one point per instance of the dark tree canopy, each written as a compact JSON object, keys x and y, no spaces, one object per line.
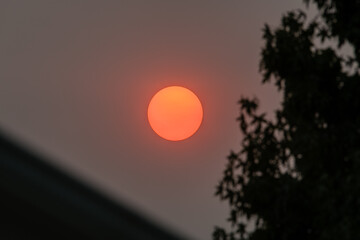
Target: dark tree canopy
{"x":298,"y":176}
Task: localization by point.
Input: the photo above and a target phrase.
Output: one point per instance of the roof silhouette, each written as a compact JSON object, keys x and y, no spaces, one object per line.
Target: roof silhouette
{"x":39,"y":201}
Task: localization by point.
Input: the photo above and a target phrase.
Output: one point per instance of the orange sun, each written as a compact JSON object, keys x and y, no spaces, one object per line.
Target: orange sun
{"x":175,"y":113}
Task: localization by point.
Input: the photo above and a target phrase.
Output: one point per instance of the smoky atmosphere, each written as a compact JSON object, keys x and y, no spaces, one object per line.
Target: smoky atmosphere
{"x":137,"y":116}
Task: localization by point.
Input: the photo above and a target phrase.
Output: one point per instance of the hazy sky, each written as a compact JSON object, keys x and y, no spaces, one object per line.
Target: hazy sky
{"x":76,"y":78}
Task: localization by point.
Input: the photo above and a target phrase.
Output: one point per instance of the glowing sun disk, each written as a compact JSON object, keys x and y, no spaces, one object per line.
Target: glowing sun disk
{"x":175,"y":113}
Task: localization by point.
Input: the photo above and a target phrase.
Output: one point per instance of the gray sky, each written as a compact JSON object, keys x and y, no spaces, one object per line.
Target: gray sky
{"x":76,"y":78}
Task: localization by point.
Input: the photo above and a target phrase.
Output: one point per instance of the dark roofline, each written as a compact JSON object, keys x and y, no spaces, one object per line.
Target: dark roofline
{"x":31,"y":179}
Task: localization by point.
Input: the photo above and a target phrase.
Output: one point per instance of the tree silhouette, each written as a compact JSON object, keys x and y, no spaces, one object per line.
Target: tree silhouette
{"x":298,"y":176}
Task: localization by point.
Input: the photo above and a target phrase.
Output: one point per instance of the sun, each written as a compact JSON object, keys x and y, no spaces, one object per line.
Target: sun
{"x":175,"y":113}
